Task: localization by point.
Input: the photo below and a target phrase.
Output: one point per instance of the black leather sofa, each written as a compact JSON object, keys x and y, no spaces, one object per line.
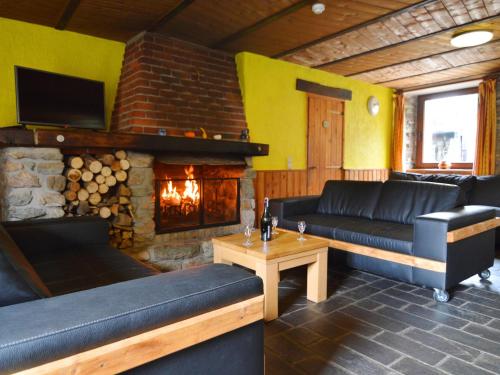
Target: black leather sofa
{"x":64,"y":291}
{"x":475,"y":190}
{"x":405,"y":230}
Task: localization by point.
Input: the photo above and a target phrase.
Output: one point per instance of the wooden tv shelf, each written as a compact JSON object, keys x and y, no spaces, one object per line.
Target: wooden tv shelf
{"x":94,"y":140}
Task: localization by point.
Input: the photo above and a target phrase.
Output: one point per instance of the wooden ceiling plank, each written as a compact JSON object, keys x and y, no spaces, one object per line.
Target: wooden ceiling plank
{"x":67,"y":13}
{"x":426,"y":20}
{"x":408,"y":21}
{"x":441,"y":15}
{"x":259,"y":24}
{"x":170,"y":15}
{"x":476,"y":8}
{"x":442,"y":71}
{"x":458,"y":11}
{"x":492,"y":6}
{"x":352,"y":28}
{"x":486,"y":45}
{"x":423,"y":37}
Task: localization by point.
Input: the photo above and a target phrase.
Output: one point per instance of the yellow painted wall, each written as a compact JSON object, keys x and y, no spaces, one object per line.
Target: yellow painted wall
{"x":64,"y":52}
{"x":276,"y":113}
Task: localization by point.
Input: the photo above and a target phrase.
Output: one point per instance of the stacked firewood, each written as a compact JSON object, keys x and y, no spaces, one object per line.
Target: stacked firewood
{"x":96,"y":185}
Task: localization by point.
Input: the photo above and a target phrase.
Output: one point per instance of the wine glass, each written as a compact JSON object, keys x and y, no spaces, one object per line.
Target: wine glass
{"x":301,"y":225}
{"x":248,"y":234}
{"x":274,"y":223}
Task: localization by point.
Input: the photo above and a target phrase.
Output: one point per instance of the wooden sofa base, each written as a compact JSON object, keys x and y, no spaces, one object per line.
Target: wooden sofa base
{"x":149,"y":346}
{"x":411,"y":260}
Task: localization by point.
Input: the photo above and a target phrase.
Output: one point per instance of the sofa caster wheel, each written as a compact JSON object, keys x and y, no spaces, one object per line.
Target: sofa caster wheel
{"x":485,"y":275}
{"x":441,"y":295}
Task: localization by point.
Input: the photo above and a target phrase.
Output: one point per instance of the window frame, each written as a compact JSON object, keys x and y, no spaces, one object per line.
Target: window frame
{"x":420,"y":126}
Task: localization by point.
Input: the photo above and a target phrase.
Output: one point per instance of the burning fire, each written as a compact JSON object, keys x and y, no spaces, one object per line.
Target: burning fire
{"x":190,"y":198}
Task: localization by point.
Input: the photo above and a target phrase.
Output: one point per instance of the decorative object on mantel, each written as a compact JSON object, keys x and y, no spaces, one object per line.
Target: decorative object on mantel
{"x":443,"y":164}
{"x":97,"y":186}
{"x":162,"y":132}
{"x":217,"y":137}
{"x":189,"y":134}
{"x":204,"y":134}
{"x":373,"y":106}
{"x":245,"y":135}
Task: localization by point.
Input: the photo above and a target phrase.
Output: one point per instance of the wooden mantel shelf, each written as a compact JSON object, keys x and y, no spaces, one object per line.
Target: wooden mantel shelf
{"x":85,"y":139}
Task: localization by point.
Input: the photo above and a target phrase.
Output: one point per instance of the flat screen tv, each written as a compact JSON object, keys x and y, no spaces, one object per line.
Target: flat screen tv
{"x":45,"y":98}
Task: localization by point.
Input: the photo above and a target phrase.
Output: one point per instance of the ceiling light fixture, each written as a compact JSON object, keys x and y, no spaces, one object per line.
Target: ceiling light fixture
{"x":318,"y":8}
{"x":471,"y":38}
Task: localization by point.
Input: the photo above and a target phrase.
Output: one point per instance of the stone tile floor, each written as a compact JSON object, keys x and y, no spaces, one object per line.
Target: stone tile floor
{"x":373,"y":325}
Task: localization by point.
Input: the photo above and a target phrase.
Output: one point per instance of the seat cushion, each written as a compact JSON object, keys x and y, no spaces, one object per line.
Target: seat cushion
{"x":317,"y":224}
{"x":349,"y":198}
{"x":465,"y":183}
{"x":19,"y":282}
{"x":486,"y":191}
{"x":379,"y":234}
{"x":75,"y":269}
{"x":403,"y":201}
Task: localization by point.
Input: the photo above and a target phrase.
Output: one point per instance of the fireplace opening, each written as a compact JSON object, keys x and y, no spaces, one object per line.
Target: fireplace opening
{"x":190,"y":197}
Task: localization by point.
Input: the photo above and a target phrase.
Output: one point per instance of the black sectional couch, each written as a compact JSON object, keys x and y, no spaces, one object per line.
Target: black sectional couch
{"x":398,"y":229}
{"x":64,"y":290}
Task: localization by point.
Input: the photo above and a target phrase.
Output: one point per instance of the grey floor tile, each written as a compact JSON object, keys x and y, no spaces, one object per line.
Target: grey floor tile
{"x":484,"y":293}
{"x":409,"y":366}
{"x":388,"y":300}
{"x":436,"y":316}
{"x":324,"y":327}
{"x":286,"y":348}
{"x":410,"y":319}
{"x":348,"y":359}
{"x":408,"y":297}
{"x":444,"y":345}
{"x":411,"y":348}
{"x":405,"y":287}
{"x":352,"y":324}
{"x":460,"y":312}
{"x":495,"y":324}
{"x":302,"y":336}
{"x":368,"y":304}
{"x":485,"y":310}
{"x":318,"y":366}
{"x":274,"y":327}
{"x":361,"y":292}
{"x":370,"y":348}
{"x":488,"y":362}
{"x":332,"y":303}
{"x":457,"y":367}
{"x":468,"y":339}
{"x":477,"y":299}
{"x":276,"y":366}
{"x":374,"y":319}
{"x":484,"y":332}
{"x":384,"y":284}
{"x":300,"y":317}
{"x":365,"y":276}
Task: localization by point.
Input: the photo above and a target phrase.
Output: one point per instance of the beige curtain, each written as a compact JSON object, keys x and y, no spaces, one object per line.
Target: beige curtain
{"x":486,"y":129}
{"x":397,"y":139}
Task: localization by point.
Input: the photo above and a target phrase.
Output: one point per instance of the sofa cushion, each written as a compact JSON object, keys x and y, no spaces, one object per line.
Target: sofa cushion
{"x":403,"y":201}
{"x":80,"y":268}
{"x":379,"y":234}
{"x":403,"y":176}
{"x":486,"y":191}
{"x":349,"y":198}
{"x":465,"y":183}
{"x":18,"y":280}
{"x":317,"y":224}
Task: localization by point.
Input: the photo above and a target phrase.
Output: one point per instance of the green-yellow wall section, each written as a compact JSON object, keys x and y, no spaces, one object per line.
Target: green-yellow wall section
{"x":64,"y":52}
{"x":276,"y":113}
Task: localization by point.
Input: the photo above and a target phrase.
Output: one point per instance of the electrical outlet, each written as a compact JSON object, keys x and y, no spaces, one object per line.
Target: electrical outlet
{"x":289,"y":162}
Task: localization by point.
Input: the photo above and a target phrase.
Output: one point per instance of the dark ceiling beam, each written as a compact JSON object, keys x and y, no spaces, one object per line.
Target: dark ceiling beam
{"x":259,"y":24}
{"x":353,"y":28}
{"x":419,"y":59}
{"x":170,"y":15}
{"x":67,"y":13}
{"x":387,"y":83}
{"x":404,"y":42}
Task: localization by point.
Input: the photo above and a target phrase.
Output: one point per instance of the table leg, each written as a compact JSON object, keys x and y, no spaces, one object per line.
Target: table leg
{"x":316,"y":277}
{"x":270,"y":278}
{"x":218,"y":255}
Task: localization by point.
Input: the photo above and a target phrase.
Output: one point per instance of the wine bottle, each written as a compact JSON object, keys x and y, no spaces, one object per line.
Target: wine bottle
{"x":265,"y":222}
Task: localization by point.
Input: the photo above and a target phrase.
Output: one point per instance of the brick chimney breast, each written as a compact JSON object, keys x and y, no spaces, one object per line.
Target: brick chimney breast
{"x":178,"y":86}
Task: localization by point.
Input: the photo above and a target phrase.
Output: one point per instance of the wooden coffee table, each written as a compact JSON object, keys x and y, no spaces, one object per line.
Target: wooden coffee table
{"x":268,"y":259}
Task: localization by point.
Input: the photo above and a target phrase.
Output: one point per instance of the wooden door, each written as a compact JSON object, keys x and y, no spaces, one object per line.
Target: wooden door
{"x":325,"y":141}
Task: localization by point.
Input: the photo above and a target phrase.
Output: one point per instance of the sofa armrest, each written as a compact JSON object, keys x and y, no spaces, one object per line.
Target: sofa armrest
{"x":286,"y":207}
{"x":74,"y":232}
{"x":431,"y":235}
{"x":42,"y":331}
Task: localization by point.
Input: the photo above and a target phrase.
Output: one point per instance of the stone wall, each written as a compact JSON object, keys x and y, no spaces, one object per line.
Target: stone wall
{"x":410,"y":132}
{"x":31,"y":183}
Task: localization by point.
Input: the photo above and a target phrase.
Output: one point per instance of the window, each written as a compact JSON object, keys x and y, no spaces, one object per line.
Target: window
{"x":447,"y":126}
